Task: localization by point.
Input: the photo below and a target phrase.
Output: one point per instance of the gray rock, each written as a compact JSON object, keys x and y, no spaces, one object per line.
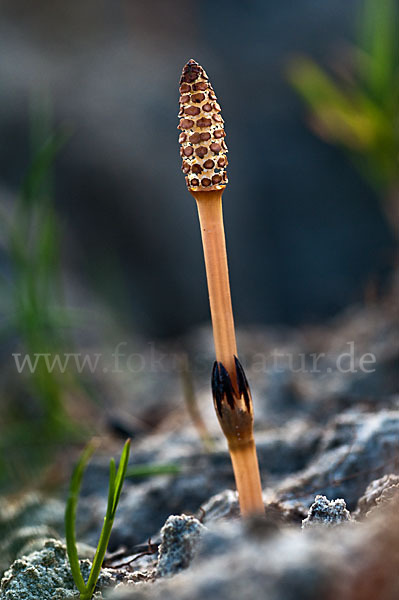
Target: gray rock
{"x":355,"y":446}
{"x":378,"y":493}
{"x":221,"y":506}
{"x":27,"y":523}
{"x":25,"y":540}
{"x":327,"y":441}
{"x":325,"y":562}
{"x":46,"y":575}
{"x":232,"y":565}
{"x":146,"y":504}
{"x":326,"y":512}
{"x":30,"y":510}
{"x":180,"y":536}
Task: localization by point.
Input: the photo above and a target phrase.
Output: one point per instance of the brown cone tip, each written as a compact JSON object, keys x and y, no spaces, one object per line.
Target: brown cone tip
{"x":203,"y":148}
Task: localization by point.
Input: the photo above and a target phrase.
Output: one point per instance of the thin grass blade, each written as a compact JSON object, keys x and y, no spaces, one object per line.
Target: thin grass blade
{"x":40,"y":166}
{"x":111,"y":487}
{"x":120,"y":476}
{"x":70,"y":515}
{"x":115,"y":487}
{"x":151,"y":470}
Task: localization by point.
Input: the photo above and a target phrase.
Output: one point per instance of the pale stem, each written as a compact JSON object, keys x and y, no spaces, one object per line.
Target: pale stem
{"x":213,"y":240}
{"x":246,"y":473}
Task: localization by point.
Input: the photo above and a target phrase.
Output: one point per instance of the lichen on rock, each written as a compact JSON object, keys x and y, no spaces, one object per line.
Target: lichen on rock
{"x":180,"y":536}
{"x":326,"y":512}
{"x":46,"y":575}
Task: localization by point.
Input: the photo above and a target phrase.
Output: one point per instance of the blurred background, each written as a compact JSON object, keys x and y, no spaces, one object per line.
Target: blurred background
{"x":99,"y":236}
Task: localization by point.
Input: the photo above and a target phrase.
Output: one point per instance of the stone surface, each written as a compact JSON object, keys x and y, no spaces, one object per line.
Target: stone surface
{"x":355,"y":447}
{"x":179,"y":539}
{"x":222,"y":506}
{"x":45,"y":575}
{"x":317,"y":434}
{"x":287,"y":564}
{"x":326,"y":512}
{"x":27,"y":523}
{"x":378,"y":493}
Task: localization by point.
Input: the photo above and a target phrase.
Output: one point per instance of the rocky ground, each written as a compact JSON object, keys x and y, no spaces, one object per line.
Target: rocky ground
{"x":328,"y":445}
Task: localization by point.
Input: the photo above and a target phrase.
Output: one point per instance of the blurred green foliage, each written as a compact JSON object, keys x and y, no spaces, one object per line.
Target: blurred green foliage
{"x":150,"y":470}
{"x":34,"y":416}
{"x":357,"y":109}
{"x":34,"y":252}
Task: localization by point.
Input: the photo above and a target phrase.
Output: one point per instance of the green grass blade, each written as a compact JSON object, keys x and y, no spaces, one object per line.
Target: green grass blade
{"x":314,"y":85}
{"x":115,"y":488}
{"x":379,"y":40}
{"x":47,"y":243}
{"x":41,"y":165}
{"x":98,"y":559}
{"x":151,"y":470}
{"x":70,"y":515}
{"x":111,"y":487}
{"x":41,"y":127}
{"x":120,"y":476}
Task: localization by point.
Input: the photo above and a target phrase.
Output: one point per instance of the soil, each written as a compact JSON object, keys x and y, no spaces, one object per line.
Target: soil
{"x":328,"y":446}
